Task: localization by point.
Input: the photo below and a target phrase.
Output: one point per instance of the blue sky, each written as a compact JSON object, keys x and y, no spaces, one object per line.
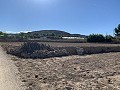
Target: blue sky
{"x":74,"y":16}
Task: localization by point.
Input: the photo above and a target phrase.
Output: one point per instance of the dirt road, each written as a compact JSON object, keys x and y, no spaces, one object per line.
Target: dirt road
{"x":8,"y":71}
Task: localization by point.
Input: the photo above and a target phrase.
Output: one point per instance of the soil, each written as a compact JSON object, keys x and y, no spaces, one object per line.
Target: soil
{"x":61,"y":44}
{"x":8,"y":73}
{"x":90,"y":72}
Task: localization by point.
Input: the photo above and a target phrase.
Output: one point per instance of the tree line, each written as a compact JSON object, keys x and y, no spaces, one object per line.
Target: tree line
{"x":99,"y":38}
{"x":106,"y":38}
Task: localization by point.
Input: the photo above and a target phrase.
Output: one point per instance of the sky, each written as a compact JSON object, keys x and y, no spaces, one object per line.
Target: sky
{"x":73,"y":16}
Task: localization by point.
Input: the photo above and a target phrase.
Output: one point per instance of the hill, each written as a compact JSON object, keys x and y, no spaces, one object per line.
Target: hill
{"x":53,"y":33}
{"x":49,"y":33}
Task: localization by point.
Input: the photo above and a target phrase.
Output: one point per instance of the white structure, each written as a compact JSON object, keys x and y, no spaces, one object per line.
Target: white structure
{"x":72,"y":38}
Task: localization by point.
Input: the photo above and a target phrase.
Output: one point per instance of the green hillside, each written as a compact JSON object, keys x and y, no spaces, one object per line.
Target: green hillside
{"x":52,"y":33}
{"x":49,"y":33}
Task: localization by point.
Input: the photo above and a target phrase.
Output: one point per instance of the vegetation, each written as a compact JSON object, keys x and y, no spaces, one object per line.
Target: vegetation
{"x":117,"y":30}
{"x":99,"y":38}
{"x":43,"y":35}
{"x":116,"y":39}
{"x":52,"y":34}
{"x":108,"y":38}
{"x":96,"y":38}
{"x":3,"y":35}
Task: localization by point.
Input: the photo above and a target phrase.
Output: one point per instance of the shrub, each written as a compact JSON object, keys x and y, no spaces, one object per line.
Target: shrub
{"x":116,"y":40}
{"x":108,"y":38}
{"x":96,"y":38}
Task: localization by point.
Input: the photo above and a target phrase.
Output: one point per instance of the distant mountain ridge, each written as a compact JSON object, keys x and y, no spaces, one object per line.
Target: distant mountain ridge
{"x":57,"y":33}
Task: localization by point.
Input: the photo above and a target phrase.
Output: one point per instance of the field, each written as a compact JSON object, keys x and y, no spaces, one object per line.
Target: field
{"x":58,"y":49}
{"x":91,"y":72}
{"x":58,"y":44}
{"x":88,"y":72}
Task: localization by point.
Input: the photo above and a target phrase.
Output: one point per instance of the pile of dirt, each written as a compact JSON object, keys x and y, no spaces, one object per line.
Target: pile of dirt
{"x":35,"y":50}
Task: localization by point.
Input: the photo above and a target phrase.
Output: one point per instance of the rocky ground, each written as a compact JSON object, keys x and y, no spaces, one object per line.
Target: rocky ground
{"x":90,"y":72}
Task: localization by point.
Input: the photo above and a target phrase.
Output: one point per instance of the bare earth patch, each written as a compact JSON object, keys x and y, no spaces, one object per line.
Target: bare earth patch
{"x":8,"y":73}
{"x":91,"y":72}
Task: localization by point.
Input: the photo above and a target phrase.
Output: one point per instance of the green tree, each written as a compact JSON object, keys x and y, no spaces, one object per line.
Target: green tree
{"x":52,"y":34}
{"x":36,"y":35}
{"x":108,"y":38}
{"x":3,"y":35}
{"x":21,"y":35}
{"x":96,"y":38}
{"x":117,"y":30}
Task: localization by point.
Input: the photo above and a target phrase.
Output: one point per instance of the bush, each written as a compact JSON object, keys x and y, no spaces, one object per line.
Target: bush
{"x":96,"y":38}
{"x":108,"y":38}
{"x":116,"y":40}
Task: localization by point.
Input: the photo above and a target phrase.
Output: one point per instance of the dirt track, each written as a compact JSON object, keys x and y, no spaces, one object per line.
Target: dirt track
{"x":8,"y":71}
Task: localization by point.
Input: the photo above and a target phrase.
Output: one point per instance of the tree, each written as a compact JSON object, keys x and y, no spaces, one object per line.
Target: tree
{"x":96,"y":38}
{"x":36,"y":35}
{"x":52,"y":34}
{"x":108,"y":38}
{"x":21,"y":36}
{"x":3,"y":35}
{"x":117,"y":30}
